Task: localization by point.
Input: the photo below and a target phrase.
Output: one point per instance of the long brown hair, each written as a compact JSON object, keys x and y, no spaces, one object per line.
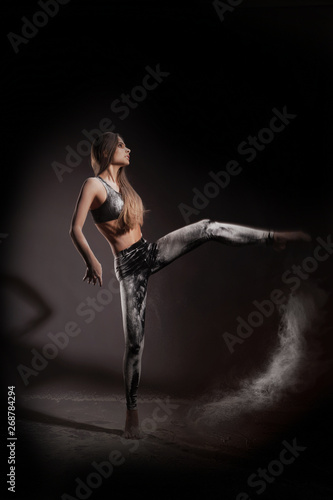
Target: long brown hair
{"x":102,"y":151}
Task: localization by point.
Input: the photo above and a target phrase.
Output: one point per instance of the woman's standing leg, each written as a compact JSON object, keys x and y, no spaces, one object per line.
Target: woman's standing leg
{"x":133,"y":293}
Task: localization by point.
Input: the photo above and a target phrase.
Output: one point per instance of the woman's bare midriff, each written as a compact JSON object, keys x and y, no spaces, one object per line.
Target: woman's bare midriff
{"x":117,"y":239}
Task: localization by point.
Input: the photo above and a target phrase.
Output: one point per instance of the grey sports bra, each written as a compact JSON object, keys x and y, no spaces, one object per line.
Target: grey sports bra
{"x":112,"y":206}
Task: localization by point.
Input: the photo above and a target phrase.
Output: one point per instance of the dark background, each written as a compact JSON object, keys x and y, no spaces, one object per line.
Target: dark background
{"x":224,"y":80}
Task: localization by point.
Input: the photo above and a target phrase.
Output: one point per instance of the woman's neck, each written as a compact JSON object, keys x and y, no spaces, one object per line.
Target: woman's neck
{"x":111,"y":174}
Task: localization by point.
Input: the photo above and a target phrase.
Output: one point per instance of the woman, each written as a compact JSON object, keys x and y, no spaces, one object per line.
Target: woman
{"x":118,"y":211}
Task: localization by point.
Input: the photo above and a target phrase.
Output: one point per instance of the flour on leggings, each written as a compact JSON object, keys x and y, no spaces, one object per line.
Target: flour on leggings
{"x":135,"y":264}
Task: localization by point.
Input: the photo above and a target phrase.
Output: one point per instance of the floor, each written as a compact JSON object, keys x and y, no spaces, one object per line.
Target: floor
{"x":71,"y":447}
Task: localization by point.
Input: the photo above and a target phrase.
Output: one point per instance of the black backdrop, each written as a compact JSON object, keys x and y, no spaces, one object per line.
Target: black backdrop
{"x":220,"y":82}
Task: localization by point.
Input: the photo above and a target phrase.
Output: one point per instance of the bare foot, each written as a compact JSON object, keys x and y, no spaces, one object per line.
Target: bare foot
{"x":282,"y":238}
{"x":132,"y":428}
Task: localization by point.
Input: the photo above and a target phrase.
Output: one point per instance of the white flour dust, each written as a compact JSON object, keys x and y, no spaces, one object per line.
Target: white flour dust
{"x":285,"y":368}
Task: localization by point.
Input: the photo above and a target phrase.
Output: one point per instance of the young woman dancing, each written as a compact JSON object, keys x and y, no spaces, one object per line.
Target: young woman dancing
{"x":117,"y":211}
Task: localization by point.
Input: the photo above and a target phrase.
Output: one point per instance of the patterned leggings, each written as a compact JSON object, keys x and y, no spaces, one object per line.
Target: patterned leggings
{"x":135,"y":264}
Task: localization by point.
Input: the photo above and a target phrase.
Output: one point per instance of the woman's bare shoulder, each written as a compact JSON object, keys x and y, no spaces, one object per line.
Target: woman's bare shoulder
{"x":92,"y":180}
{"x":91,"y":183}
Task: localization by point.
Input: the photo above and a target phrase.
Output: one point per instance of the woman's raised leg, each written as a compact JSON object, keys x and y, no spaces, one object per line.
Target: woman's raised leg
{"x":183,"y":240}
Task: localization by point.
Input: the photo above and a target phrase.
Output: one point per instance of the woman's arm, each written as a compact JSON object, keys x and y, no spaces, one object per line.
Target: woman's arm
{"x":85,"y":199}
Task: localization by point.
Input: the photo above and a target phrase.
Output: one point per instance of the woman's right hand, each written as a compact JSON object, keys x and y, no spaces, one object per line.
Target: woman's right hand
{"x":94,"y":273}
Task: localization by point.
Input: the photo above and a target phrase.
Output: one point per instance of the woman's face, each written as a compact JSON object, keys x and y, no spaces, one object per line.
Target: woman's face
{"x":121,"y":155}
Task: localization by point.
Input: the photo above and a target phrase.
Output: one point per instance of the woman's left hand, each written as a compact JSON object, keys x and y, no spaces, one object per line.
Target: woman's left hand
{"x":94,"y":274}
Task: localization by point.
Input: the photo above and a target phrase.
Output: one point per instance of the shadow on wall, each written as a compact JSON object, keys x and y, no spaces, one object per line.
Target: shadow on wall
{"x":29,"y":302}
{"x":24,"y":312}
